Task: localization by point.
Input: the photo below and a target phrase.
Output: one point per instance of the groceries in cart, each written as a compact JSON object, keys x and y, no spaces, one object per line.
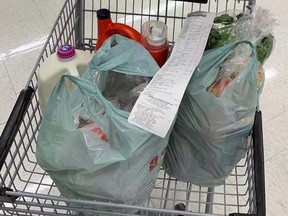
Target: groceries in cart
{"x":153,"y":35}
{"x":107,"y":28}
{"x":222,"y":28}
{"x":123,"y":90}
{"x":256,"y":27}
{"x":154,"y":39}
{"x":217,"y":111}
{"x":92,"y":153}
{"x":85,"y":142}
{"x":230,"y":69}
{"x":215,"y":117}
{"x":65,"y":59}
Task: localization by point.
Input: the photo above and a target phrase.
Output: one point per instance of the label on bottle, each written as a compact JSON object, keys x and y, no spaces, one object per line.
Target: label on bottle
{"x":157,"y":106}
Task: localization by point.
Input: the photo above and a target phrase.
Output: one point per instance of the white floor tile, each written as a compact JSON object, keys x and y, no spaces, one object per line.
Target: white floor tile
{"x":277,"y":7}
{"x":14,"y":11}
{"x":232,"y":199}
{"x":276,"y":185}
{"x":49,"y":9}
{"x":2,"y":128}
{"x":22,"y":36}
{"x":3,"y":71}
{"x":282,"y":20}
{"x":274,"y":100}
{"x":275,"y":135}
{"x":173,"y":197}
{"x":222,"y":204}
{"x":20,"y":67}
{"x":20,"y":53}
{"x":8,"y":98}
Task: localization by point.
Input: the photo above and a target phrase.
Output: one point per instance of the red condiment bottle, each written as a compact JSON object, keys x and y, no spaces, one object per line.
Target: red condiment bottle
{"x":107,"y":28}
{"x":154,"y":39}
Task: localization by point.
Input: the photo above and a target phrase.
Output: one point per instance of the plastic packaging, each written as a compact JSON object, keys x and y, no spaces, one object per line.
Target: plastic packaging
{"x":211,"y":131}
{"x":154,"y":39}
{"x":229,"y":27}
{"x":123,"y":90}
{"x":256,"y":27}
{"x":233,"y":67}
{"x":222,"y":27}
{"x":107,"y":28}
{"x":86,"y":144}
{"x":65,"y":59}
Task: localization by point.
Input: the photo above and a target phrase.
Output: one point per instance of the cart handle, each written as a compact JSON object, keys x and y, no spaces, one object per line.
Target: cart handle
{"x":259,"y":168}
{"x":14,"y":122}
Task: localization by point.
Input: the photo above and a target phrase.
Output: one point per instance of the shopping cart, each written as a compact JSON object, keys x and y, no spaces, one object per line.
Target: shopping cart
{"x":26,"y":189}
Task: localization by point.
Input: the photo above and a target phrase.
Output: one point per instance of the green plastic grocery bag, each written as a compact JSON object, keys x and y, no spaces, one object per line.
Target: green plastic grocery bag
{"x":121,"y":55}
{"x":215,"y":117}
{"x":86,"y":144}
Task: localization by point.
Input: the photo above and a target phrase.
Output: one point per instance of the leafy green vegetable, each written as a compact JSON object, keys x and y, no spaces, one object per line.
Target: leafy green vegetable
{"x":218,"y":37}
{"x":224,"y":19}
{"x":265,"y":47}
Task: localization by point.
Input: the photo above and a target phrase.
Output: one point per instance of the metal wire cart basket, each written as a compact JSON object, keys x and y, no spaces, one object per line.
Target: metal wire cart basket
{"x":25,"y":189}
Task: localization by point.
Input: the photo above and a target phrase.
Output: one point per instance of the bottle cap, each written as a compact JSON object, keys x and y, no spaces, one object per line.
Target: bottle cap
{"x":103,"y":14}
{"x":66,"y":51}
{"x":158,"y":33}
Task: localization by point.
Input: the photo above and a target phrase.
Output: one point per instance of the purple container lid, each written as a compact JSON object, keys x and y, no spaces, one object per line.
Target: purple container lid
{"x":65,"y":51}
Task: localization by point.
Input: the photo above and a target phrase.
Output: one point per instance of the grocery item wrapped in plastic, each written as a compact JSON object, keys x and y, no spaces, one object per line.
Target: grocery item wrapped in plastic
{"x":222,"y":28}
{"x":123,"y":90}
{"x":85,"y":142}
{"x":215,"y":117}
{"x":256,"y":27}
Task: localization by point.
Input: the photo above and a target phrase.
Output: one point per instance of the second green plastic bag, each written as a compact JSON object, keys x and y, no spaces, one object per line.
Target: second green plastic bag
{"x":86,"y":144}
{"x":213,"y":124}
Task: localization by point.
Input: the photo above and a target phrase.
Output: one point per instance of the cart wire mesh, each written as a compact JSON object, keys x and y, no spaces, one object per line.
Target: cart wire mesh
{"x":37,"y":194}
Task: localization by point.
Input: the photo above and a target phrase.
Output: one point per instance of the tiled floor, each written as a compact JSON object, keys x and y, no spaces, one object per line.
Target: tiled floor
{"x":25,"y":24}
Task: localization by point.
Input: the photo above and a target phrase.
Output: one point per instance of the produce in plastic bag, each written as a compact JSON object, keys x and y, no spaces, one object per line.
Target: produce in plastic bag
{"x":229,"y":27}
{"x":134,"y":95}
{"x":225,"y":19}
{"x":210,"y":134}
{"x":229,"y":70}
{"x":265,"y":48}
{"x":256,"y":27}
{"x":222,"y":28}
{"x":120,"y":89}
{"x":86,"y":144}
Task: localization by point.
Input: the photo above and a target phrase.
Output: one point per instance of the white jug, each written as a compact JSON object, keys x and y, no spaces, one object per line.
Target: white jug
{"x":66,"y":59}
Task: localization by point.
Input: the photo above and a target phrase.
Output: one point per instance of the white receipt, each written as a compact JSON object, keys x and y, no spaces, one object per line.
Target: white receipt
{"x":157,"y":106}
